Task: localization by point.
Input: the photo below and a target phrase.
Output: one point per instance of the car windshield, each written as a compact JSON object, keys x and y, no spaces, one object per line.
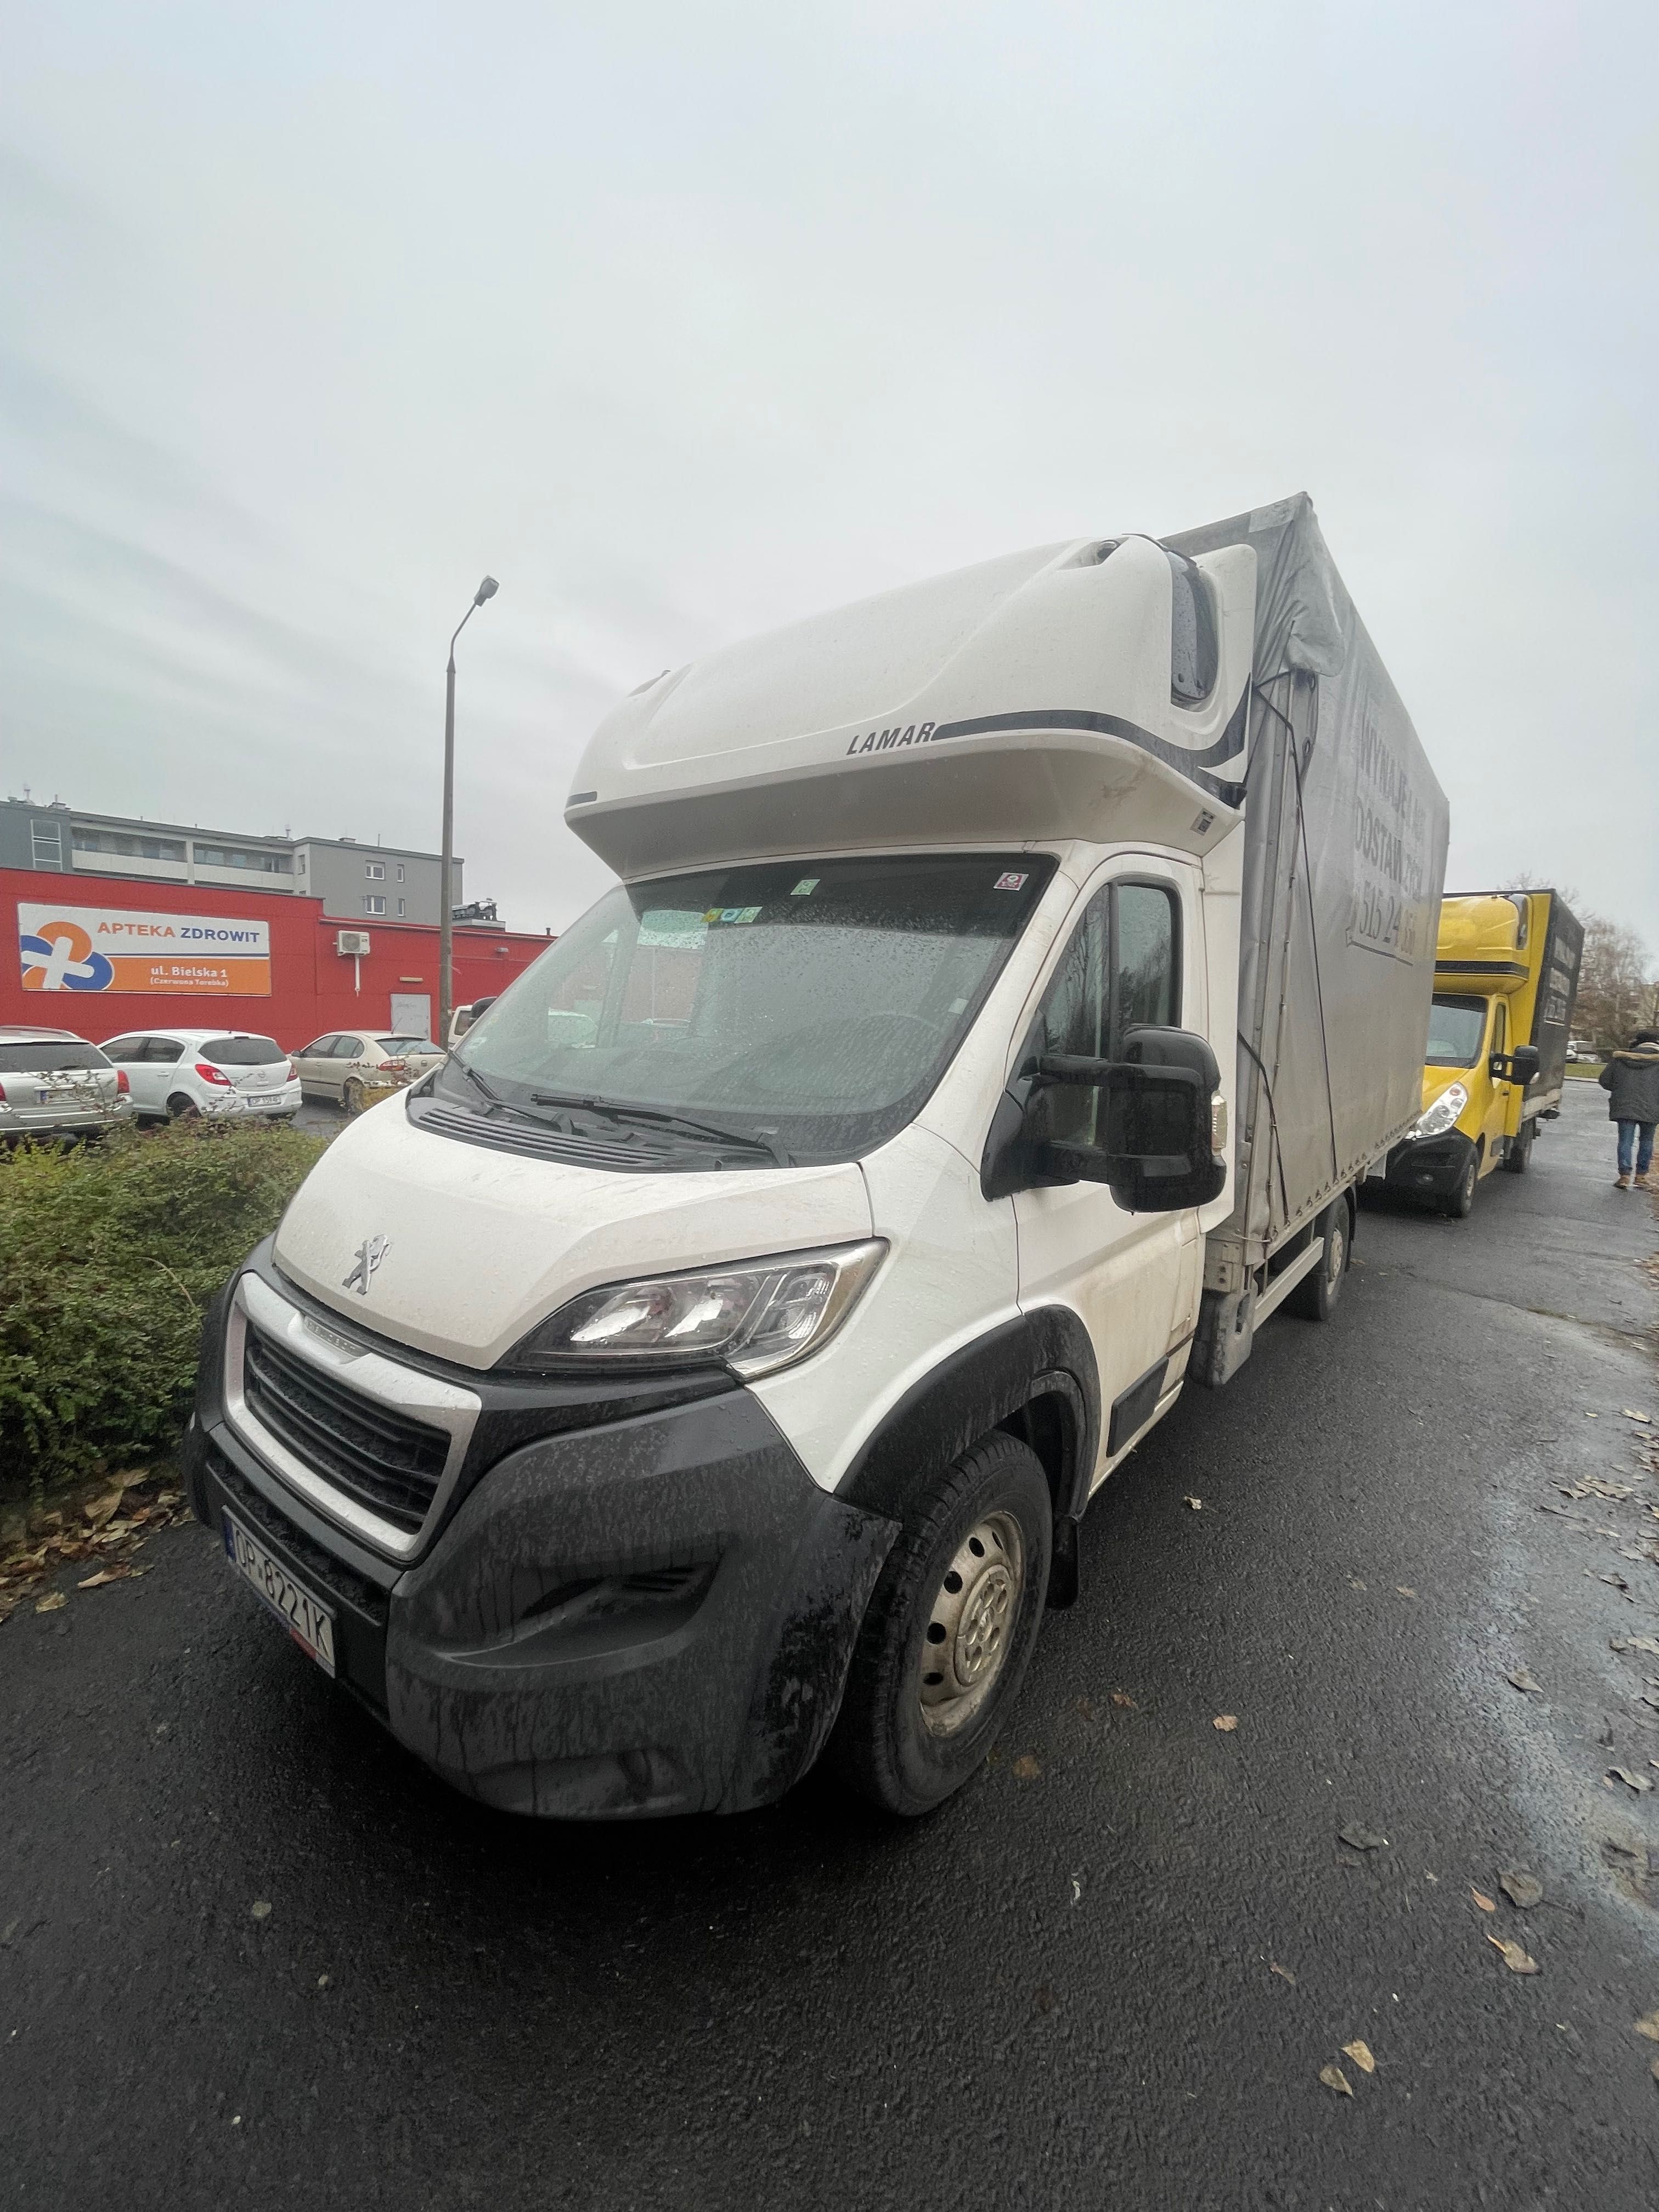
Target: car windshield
{"x":809,"y":1006}
{"x":1455,"y":1029}
{"x":49,"y":1058}
{"x":242,"y":1051}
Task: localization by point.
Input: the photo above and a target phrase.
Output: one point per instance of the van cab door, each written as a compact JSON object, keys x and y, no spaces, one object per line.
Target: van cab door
{"x":1135,"y":957}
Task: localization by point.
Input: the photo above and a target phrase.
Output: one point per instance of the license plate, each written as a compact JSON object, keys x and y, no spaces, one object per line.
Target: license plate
{"x":307,"y":1620}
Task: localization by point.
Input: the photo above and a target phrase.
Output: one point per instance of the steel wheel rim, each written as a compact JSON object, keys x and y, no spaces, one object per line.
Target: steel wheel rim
{"x":1336,"y":1255}
{"x":971,"y":1626}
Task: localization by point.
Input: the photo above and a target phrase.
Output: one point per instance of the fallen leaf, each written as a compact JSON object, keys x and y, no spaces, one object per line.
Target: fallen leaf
{"x":1085,"y":1707}
{"x":260,"y":1909}
{"x":1521,"y":1889}
{"x":1631,"y":1414}
{"x":1283,"y":1972}
{"x":1649,"y":2026}
{"x":1354,"y":1583}
{"x":1225,"y":1721}
{"x":104,"y":1575}
{"x":1335,"y":2078}
{"x":1517,"y":1960}
{"x":1361,"y":2055}
{"x":1522,"y":1680}
{"x":1401,"y":1590}
{"x":1025,"y":1768}
{"x":1122,"y":1699}
{"x":1487,"y":1903}
{"x":1614,"y":1582}
{"x":1197,"y":1505}
{"x":1637,"y":1782}
{"x":51,"y":1600}
{"x":1362,"y":1840}
{"x":100,"y":1509}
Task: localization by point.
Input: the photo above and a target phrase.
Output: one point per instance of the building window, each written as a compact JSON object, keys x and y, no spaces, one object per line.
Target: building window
{"x":245,"y":857}
{"x":373,"y":904}
{"x":401,"y":903}
{"x":131,"y":848}
{"x":400,"y":871}
{"x":375,"y":870}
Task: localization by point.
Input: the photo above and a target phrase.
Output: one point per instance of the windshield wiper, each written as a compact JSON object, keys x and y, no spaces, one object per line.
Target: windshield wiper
{"x":668,"y":1120}
{"x":473,"y":1076}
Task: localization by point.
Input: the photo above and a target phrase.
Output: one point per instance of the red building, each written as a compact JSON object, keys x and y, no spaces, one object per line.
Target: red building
{"x":101,"y":954}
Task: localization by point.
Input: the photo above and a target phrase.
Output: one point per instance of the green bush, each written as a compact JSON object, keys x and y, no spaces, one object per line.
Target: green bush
{"x":109,"y":1254}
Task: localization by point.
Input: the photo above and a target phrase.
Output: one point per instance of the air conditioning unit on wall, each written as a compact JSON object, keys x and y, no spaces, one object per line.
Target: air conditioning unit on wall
{"x":348,"y":942}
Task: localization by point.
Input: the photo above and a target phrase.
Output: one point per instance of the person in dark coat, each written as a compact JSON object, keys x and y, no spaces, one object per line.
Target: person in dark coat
{"x":1632,"y":1079}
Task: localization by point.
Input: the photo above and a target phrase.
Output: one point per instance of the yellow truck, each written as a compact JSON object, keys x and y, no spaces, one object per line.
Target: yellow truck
{"x":1505,"y":976}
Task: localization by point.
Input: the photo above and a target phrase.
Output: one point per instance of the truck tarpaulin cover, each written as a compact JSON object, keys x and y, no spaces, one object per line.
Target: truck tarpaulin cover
{"x":1345,"y":858}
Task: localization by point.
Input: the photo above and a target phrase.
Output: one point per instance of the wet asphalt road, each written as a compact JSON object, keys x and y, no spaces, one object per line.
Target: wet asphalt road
{"x":1113,"y":1982}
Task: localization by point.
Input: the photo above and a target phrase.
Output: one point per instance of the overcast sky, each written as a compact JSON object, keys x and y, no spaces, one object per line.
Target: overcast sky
{"x":684,"y":320}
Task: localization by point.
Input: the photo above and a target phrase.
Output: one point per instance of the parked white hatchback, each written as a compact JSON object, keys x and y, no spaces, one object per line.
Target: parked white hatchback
{"x":223,"y":1074}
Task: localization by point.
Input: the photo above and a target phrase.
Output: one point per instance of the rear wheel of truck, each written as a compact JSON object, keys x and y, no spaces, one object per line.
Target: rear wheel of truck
{"x":946,"y":1642}
{"x":1315,"y":1296}
{"x":1460,"y":1203}
{"x":1520,"y":1151}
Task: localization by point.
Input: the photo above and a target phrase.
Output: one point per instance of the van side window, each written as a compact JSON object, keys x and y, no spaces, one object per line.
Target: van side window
{"x":1194,"y":651}
{"x":1148,"y":981}
{"x":1121,"y":971}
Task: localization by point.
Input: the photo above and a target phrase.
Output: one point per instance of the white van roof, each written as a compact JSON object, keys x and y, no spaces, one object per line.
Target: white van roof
{"x":1027,"y":698}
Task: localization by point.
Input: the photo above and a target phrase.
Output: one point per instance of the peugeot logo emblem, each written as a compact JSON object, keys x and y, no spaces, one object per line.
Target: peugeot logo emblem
{"x":370,"y":1252}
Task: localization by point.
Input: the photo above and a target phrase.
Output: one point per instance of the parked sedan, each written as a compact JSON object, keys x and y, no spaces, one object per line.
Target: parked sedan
{"x":221,"y":1074}
{"x":344,"y":1065}
{"x":53,"y":1083}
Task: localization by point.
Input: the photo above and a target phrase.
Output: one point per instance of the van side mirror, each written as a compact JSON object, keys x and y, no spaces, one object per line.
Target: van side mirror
{"x":1155,"y":1128}
{"x":1520,"y":1065}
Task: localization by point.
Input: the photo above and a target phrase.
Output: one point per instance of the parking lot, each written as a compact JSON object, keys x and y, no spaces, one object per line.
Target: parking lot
{"x":251,"y":1955}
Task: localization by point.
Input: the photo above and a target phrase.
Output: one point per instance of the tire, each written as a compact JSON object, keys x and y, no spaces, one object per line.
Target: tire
{"x":183,"y":1109}
{"x":1519,"y":1155}
{"x":352,"y":1097}
{"x":1315,"y":1297}
{"x":1460,"y":1203}
{"x":911,"y":1732}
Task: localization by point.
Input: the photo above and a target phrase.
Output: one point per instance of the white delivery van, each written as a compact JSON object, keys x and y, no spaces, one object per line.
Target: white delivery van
{"x":1009,"y":981}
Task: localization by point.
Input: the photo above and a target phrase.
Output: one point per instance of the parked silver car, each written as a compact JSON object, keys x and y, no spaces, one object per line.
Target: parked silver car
{"x":53,"y":1083}
{"x":344,"y":1065}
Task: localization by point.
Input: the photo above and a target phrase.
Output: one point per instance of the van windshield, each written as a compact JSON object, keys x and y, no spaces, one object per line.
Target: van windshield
{"x":809,"y":1006}
{"x":1455,"y":1029}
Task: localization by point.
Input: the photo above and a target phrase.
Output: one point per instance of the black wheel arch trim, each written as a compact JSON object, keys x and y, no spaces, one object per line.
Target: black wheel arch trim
{"x":1043,"y":1357}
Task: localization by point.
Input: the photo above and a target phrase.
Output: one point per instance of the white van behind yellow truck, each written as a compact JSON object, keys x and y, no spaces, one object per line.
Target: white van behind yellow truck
{"x":1010,"y":979}
{"x":1506,"y":979}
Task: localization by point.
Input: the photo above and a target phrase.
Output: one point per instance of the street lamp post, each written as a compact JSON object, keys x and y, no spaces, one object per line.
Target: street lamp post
{"x":487,"y":590}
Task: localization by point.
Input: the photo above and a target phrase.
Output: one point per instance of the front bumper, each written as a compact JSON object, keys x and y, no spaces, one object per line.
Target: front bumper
{"x":1429,"y":1167}
{"x":652,"y":1614}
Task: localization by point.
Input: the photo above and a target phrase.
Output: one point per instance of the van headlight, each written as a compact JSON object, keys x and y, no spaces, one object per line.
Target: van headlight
{"x":1436,"y":1120}
{"x":753,"y":1318}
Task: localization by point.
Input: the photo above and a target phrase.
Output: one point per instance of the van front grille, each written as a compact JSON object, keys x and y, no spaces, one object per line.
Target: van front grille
{"x":380,"y":1459}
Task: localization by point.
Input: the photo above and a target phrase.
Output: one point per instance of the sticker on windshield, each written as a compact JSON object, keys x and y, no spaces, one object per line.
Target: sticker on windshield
{"x":1011,"y":883}
{"x":805,"y":887}
{"x":735,"y":914}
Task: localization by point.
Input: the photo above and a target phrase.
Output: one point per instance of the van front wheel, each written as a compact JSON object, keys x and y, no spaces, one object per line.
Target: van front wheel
{"x":949,"y":1633}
